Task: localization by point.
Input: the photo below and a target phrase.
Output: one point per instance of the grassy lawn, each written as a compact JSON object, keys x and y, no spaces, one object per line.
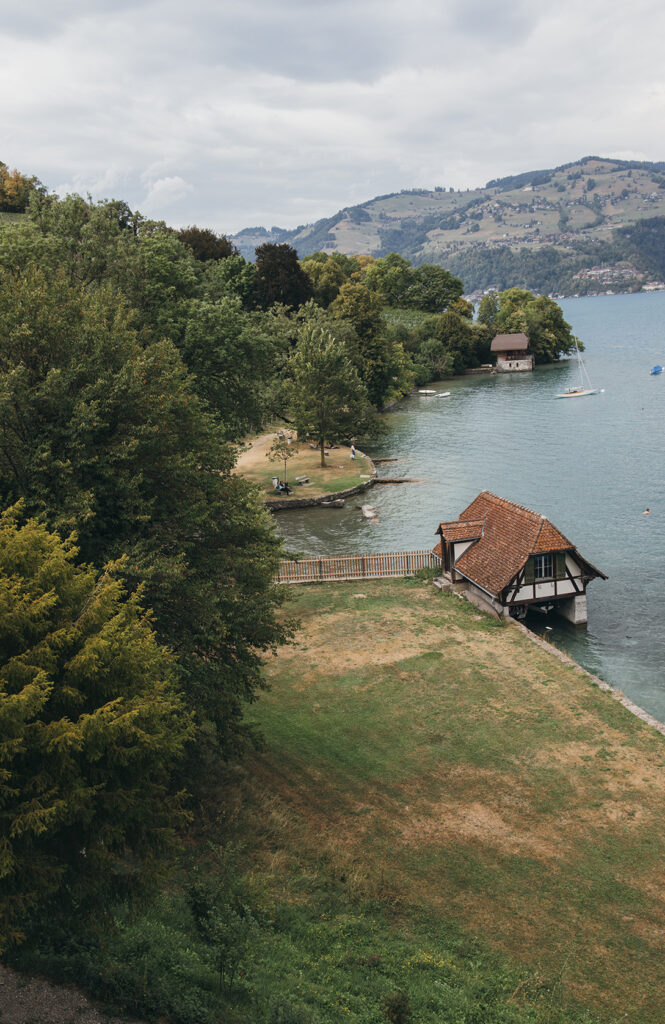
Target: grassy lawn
{"x":341,"y":472}
{"x":439,"y":790}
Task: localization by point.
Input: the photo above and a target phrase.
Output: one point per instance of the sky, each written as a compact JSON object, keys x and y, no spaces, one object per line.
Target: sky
{"x":231,"y":114}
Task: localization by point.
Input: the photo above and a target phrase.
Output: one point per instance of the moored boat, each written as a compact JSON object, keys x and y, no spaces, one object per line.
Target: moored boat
{"x":584,"y":387}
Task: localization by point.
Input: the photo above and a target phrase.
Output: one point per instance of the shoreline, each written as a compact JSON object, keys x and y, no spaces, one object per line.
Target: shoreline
{"x":284,"y":504}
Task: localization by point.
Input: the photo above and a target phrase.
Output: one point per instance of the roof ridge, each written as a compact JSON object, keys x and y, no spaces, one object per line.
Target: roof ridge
{"x":515,"y":505}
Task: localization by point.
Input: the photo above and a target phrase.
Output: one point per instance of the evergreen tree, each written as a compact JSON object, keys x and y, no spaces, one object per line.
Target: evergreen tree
{"x":91,"y":729}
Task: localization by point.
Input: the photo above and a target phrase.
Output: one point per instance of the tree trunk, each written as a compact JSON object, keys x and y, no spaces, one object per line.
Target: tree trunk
{"x":323,"y":456}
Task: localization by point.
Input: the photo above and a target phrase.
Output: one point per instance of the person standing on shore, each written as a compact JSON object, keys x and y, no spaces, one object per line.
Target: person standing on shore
{"x":353,"y":451}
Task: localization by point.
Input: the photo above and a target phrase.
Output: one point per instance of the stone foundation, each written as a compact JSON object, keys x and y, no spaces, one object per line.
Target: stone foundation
{"x":514,"y":365}
{"x":575,"y":610}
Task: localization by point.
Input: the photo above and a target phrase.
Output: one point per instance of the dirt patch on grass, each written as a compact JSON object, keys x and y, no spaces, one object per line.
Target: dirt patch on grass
{"x":25,"y":1000}
{"x":476,"y":823}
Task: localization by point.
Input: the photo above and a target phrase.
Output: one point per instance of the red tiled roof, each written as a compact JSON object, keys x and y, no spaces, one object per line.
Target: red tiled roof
{"x":509,"y":343}
{"x":462,"y":529}
{"x":511,"y":534}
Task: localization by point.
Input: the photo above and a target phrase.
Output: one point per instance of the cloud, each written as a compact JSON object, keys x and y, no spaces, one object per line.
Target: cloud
{"x":228,"y":113}
{"x":164,"y":194}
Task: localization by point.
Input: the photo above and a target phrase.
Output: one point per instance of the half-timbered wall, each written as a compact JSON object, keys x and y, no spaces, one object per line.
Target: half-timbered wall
{"x":540,"y":590}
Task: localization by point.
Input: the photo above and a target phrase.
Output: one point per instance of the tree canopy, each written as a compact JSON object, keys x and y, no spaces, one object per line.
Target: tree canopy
{"x":280,"y":278}
{"x":539,"y":317}
{"x":104,"y":433}
{"x":327,"y":398}
{"x":91,"y":729}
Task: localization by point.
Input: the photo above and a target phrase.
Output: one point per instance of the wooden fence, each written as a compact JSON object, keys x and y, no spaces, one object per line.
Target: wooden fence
{"x":357,"y":567}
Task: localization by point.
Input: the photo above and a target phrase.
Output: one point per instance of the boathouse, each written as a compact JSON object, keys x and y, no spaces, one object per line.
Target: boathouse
{"x":512,"y":353}
{"x":510,"y":559}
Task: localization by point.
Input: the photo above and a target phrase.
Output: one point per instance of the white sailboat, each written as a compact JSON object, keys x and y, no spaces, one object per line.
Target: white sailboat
{"x":584,"y":387}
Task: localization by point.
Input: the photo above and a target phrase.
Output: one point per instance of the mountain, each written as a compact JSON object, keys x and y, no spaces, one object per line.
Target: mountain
{"x":586,"y":227}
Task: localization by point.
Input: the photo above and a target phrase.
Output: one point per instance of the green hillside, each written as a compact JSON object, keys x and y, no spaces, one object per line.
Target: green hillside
{"x":565,"y":230}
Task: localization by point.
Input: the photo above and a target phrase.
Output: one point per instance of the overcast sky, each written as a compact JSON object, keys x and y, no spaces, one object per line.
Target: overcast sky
{"x":230,"y":114}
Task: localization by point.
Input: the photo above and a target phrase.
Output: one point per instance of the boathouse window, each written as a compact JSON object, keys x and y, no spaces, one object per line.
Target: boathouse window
{"x":545,"y":567}
{"x":542,"y":567}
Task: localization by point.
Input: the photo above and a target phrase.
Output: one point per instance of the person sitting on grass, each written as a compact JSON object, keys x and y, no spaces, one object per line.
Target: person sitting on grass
{"x":284,"y":488}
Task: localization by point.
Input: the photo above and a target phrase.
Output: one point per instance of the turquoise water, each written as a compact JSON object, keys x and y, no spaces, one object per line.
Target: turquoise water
{"x":591,"y":465}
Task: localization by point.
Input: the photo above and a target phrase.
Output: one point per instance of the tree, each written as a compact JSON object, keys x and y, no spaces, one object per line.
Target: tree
{"x":106,"y":436}
{"x":328,"y":399}
{"x":206,"y":245}
{"x":232,"y":355}
{"x":488,"y":310}
{"x":540,"y":318}
{"x":361,"y":307}
{"x":433,"y":289}
{"x":391,"y":277}
{"x":279,"y":277}
{"x":328,"y":272}
{"x":91,"y":730}
{"x":282,"y":450}
{"x":16,"y":190}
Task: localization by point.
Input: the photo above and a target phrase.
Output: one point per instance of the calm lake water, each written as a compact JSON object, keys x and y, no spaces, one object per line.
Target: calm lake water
{"x":591,"y":465}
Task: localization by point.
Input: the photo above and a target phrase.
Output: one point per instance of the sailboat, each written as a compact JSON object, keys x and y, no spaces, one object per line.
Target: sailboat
{"x":585,"y":387}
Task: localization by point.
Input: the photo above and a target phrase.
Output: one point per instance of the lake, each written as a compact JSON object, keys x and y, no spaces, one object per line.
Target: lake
{"x":591,"y":465}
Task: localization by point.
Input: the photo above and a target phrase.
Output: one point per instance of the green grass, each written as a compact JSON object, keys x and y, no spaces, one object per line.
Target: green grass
{"x":443,"y":816}
{"x":492,"y":783}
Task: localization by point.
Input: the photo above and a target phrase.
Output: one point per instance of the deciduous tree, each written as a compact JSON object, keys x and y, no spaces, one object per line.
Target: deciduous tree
{"x":328,"y":400}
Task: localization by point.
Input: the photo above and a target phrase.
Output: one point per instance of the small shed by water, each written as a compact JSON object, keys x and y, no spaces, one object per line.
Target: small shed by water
{"x":512,"y":353}
{"x":505,"y":556}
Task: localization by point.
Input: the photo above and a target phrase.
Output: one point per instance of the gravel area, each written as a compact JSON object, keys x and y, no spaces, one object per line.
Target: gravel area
{"x":28,"y":1000}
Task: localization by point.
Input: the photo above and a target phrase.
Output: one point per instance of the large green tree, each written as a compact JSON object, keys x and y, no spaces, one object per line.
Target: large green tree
{"x":103,"y":433}
{"x":280,"y":278}
{"x":91,"y":730}
{"x":328,"y":400}
{"x":381,"y":361}
{"x":328,"y":272}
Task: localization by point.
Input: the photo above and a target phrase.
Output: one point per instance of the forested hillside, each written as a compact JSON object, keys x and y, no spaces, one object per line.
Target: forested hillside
{"x":595,"y":225}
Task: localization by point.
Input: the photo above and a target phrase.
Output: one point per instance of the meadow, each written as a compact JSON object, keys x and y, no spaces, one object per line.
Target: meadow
{"x":445,"y":825}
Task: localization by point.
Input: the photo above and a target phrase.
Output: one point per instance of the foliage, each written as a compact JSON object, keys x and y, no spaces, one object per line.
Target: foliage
{"x":327,"y":273}
{"x":645,"y":241}
{"x":448,"y":344}
{"x":428,"y":288}
{"x":280,"y":278}
{"x":206,"y":244}
{"x":540,"y":318}
{"x":282,"y":449}
{"x":397,"y":1007}
{"x":327,"y":398}
{"x":91,"y":728}
{"x":16,"y":190}
{"x":361,"y":306}
{"x":233,"y":276}
{"x":232,"y":354}
{"x":106,"y":436}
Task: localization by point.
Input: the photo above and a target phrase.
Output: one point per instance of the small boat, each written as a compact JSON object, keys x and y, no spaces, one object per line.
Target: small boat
{"x":443,"y":394}
{"x":424,"y":391}
{"x":334,"y":503}
{"x":584,"y":387}
{"x":656,"y":369}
